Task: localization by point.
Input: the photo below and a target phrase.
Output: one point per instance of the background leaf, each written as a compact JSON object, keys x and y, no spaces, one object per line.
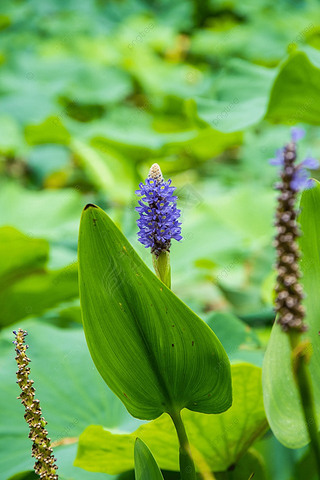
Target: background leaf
{"x":38,"y":292}
{"x":218,"y":441}
{"x":21,"y":255}
{"x":250,"y":466}
{"x":239,"y":340}
{"x":28,"y":287}
{"x":294,"y":96}
{"x":287,"y":94}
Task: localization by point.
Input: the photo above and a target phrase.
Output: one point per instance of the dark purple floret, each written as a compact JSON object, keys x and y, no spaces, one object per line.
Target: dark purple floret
{"x":159,"y":216}
{"x":293,"y":177}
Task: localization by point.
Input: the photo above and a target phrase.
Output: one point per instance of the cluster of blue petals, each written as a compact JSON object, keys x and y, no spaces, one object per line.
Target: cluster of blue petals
{"x":301,"y":178}
{"x":158,"y":221}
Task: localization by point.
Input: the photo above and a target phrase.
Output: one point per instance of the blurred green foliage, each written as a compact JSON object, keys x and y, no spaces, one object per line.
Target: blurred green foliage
{"x":91,"y":94}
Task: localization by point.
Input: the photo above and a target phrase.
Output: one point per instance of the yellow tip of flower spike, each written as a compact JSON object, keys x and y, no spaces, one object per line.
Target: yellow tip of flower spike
{"x":155,"y":173}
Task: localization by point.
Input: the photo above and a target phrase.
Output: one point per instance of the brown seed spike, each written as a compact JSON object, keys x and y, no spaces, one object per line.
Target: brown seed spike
{"x":45,"y":465}
{"x":155,"y":173}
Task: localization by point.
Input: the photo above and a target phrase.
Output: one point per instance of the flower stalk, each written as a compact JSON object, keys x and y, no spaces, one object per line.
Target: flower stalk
{"x":161,"y":265}
{"x":288,"y":304}
{"x":45,"y":465}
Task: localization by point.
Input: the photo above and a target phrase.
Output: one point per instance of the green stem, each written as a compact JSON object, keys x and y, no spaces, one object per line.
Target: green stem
{"x":187,"y":468}
{"x":162,"y":267}
{"x":300,"y":360}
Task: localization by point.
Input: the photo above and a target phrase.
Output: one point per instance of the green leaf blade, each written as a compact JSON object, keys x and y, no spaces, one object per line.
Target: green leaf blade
{"x":149,"y":347}
{"x":146,"y":467}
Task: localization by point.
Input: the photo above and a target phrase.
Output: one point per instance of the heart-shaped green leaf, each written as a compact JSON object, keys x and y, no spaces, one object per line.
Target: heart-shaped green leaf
{"x":146,"y":467}
{"x":282,"y":401}
{"x":217,"y":441}
{"x":150,"y":348}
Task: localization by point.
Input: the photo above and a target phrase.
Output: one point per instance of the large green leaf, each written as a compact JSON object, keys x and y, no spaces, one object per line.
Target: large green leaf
{"x":218,"y":441}
{"x":146,"y":467}
{"x":281,"y":397}
{"x":71,"y":393}
{"x":151,"y":349}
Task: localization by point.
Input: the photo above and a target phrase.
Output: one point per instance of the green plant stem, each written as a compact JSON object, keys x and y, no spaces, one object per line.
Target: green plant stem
{"x":187,"y":468}
{"x":300,"y":360}
{"x":162,"y":267}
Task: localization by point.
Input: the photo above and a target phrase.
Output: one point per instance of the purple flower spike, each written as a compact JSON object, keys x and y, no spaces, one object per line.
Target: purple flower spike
{"x":299,"y":175}
{"x":310,"y":162}
{"x":278,"y":160}
{"x":300,"y":179}
{"x":297,"y":134}
{"x":158,"y":222}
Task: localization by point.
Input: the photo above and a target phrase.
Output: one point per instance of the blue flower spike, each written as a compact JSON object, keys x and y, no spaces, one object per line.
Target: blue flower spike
{"x":159,"y":220}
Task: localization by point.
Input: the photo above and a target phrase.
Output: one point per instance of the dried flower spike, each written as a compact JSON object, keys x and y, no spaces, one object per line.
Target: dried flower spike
{"x":45,"y":465}
{"x":294,"y":177}
{"x":158,"y":222}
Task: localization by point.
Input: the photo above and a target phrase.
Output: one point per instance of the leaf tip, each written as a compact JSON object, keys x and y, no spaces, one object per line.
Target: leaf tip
{"x":90,"y":205}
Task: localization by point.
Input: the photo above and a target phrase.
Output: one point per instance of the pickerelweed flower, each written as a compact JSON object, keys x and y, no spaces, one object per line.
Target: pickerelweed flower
{"x":159,"y":216}
{"x":45,"y":465}
{"x":294,"y":177}
{"x":300,"y":176}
